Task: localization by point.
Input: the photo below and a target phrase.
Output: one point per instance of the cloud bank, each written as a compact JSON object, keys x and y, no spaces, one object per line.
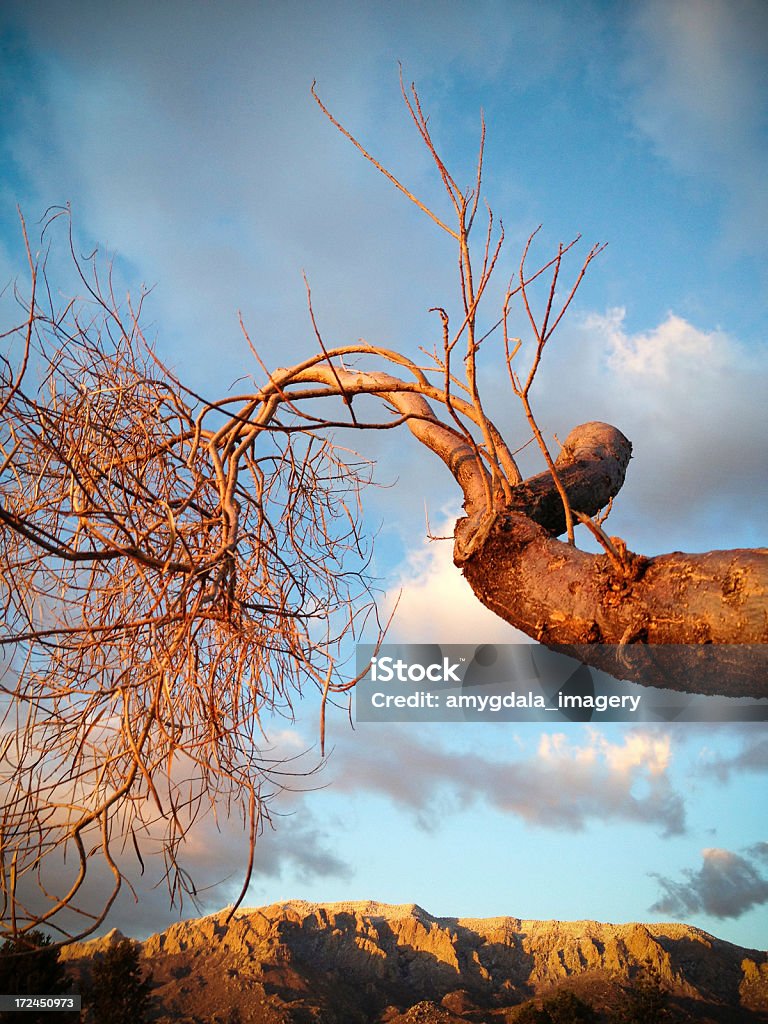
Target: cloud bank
{"x":563,"y":786}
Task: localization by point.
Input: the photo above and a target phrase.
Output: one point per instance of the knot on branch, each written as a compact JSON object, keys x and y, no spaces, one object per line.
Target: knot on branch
{"x":591,"y":466}
{"x":595,"y":442}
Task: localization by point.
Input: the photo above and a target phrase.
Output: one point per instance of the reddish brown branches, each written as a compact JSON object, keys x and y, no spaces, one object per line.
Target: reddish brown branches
{"x":175,"y":570}
{"x":170,"y":574}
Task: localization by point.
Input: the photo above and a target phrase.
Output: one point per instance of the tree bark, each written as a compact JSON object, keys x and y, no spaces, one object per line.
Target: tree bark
{"x":561,"y":595}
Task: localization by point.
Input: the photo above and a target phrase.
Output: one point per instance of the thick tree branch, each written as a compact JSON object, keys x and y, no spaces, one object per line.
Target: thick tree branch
{"x":561,"y":595}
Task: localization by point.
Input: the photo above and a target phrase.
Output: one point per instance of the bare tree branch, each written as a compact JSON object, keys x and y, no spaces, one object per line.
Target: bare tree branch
{"x":175,"y":570}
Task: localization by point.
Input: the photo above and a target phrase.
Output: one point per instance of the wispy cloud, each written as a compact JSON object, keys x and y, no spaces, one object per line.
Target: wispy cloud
{"x":563,"y":785}
{"x":752,"y":758}
{"x":726,"y":885}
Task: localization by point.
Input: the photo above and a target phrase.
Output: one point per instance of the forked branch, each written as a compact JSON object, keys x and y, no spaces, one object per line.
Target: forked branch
{"x":176,"y":570}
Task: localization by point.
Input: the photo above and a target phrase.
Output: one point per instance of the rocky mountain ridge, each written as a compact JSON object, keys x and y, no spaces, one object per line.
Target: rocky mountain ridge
{"x":344,"y":963}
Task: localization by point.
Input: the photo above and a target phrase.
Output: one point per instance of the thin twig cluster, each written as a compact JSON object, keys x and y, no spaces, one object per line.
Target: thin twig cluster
{"x":175,"y":570}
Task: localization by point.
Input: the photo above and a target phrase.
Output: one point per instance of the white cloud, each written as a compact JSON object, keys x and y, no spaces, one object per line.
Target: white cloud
{"x":640,"y":750}
{"x":692,"y":401}
{"x":435,"y":604}
{"x":662,"y":354}
{"x":556,"y":749}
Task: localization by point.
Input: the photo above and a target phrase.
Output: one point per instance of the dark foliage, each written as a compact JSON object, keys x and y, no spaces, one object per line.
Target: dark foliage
{"x":564,"y":1008}
{"x":119,"y":994}
{"x":30,"y":966}
{"x":647,"y":1001}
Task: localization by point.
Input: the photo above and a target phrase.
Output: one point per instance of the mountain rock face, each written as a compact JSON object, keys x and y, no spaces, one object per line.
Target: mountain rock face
{"x":354,"y":963}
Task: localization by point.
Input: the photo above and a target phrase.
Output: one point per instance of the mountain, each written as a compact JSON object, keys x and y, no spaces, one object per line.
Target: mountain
{"x":375,"y":963}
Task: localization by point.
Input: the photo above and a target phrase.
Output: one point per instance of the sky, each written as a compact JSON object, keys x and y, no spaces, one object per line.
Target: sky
{"x":187,"y":143}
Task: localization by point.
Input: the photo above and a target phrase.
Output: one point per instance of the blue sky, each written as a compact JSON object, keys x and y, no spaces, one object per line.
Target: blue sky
{"x":186,"y":140}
